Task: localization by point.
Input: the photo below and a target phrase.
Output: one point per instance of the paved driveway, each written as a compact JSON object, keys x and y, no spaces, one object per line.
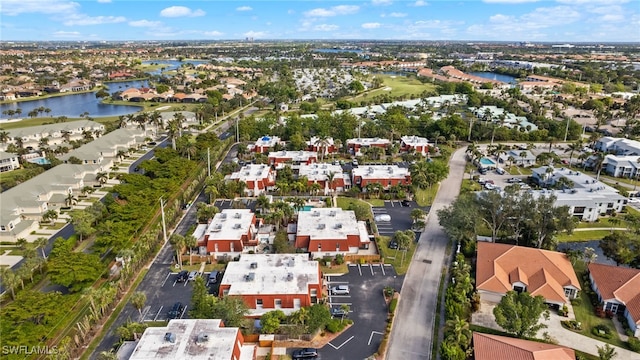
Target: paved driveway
{"x":400,"y":216}
{"x":412,"y":333}
{"x":368,"y":311}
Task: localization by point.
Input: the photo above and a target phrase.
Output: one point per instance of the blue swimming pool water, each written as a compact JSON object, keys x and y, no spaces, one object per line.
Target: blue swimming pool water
{"x":307,"y":208}
{"x":40,"y":161}
{"x":486,"y":161}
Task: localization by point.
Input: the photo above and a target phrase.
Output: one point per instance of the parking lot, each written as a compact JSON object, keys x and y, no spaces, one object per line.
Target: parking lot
{"x":368,"y":310}
{"x":168,"y":292}
{"x":228,"y":204}
{"x":400,"y":216}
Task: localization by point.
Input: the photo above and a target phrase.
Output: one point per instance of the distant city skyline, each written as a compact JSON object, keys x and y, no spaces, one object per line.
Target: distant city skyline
{"x":469,"y":20}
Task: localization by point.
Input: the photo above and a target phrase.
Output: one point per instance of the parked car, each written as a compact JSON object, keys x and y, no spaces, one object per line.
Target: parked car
{"x":354,"y":162}
{"x":183,"y":276}
{"x":382,"y":217}
{"x":306,"y":353}
{"x":213,"y":277}
{"x":393,"y":245}
{"x":176,"y":311}
{"x":500,"y":171}
{"x":339,"y":312}
{"x":406,"y":203}
{"x":340,"y":290}
{"x":193,"y":275}
{"x":514,"y":180}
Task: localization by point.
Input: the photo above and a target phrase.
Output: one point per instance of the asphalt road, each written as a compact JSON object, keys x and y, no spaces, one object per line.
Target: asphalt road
{"x":412,"y":333}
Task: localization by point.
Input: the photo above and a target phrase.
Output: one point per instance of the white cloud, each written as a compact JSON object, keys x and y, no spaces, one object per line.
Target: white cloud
{"x":509,"y":1}
{"x":16,"y":7}
{"x":612,"y":18}
{"x":255,"y":34}
{"x":586,"y":2}
{"x":397,"y":15}
{"x":82,"y":19}
{"x":326,"y":27}
{"x":333,"y":11}
{"x":420,"y":3}
{"x":144,"y":23}
{"x":66,"y":34}
{"x":244,"y":8}
{"x":499,"y":18}
{"x":372,"y":25}
{"x":104,"y":1}
{"x":291,"y":11}
{"x":213,"y":33}
{"x":382,"y":2}
{"x":180,"y":11}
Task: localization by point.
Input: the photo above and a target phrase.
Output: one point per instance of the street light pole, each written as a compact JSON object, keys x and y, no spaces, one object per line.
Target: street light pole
{"x":164,"y":224}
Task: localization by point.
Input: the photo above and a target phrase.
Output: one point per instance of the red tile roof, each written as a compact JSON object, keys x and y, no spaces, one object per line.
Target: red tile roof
{"x":544,"y":272}
{"x":494,"y":347}
{"x":622,"y":284}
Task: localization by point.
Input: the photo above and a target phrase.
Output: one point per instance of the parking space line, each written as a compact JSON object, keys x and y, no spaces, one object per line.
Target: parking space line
{"x":341,"y":345}
{"x":371,"y":267}
{"x":371,"y":336}
{"x":360,"y":269}
{"x":165,"y":280}
{"x":383,"y":273}
{"x":155,"y":318}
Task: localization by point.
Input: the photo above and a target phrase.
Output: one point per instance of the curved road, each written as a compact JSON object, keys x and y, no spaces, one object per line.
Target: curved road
{"x":412,"y":333}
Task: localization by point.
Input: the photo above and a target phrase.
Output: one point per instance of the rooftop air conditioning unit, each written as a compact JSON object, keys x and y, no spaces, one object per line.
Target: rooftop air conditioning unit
{"x":321,"y":226}
{"x":237,"y":215}
{"x":203,"y":337}
{"x":254,"y":265}
{"x":289,"y":276}
{"x":170,"y":337}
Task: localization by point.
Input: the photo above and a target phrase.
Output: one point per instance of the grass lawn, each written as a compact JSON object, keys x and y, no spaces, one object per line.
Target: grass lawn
{"x":375,"y":202}
{"x":586,"y":315}
{"x":345,"y":202}
{"x":55,"y":226}
{"x":334,"y":269}
{"x":602,"y":223}
{"x":583,"y":235}
{"x":400,"y":86}
{"x":398,"y":258}
{"x":470,"y":185}
{"x":424,"y":197}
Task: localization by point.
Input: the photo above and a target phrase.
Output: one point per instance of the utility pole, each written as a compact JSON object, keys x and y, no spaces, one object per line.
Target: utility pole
{"x":237,"y":130}
{"x":566,"y":130}
{"x":164,"y":224}
{"x":208,"y":161}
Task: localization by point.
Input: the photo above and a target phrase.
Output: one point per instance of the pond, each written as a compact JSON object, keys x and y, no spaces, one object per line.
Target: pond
{"x":581,"y":245}
{"x":495,"y":76}
{"x":73,"y":105}
{"x":171,"y":64}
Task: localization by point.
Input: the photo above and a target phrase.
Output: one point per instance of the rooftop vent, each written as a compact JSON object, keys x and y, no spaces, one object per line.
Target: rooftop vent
{"x":203,"y":337}
{"x":332,"y":213}
{"x":237,"y":215}
{"x":223,"y":216}
{"x":250,"y":276}
{"x":254,"y":265}
{"x":217,"y":227}
{"x":292,"y":262}
{"x":237,"y":226}
{"x":170,"y":337}
{"x":338,"y":226}
{"x":289,"y":276}
{"x":321,"y":226}
{"x":315,"y":213}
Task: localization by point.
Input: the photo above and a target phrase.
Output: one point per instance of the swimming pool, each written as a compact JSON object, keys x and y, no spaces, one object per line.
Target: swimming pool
{"x":307,"y":208}
{"x":40,"y":161}
{"x":487,"y":161}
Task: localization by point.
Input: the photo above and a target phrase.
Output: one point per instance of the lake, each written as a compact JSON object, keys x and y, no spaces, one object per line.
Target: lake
{"x":171,"y":64}
{"x":357,"y":51}
{"x":495,"y":76}
{"x":73,"y":105}
{"x":581,"y":245}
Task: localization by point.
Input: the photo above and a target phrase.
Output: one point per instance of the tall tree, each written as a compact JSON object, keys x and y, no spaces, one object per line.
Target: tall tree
{"x":138,"y":300}
{"x":519,"y":313}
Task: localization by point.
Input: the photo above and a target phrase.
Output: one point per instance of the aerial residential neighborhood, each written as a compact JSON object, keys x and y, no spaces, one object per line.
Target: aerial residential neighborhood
{"x":250,"y":199}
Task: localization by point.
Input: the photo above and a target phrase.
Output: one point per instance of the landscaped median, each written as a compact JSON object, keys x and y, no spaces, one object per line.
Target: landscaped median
{"x":391,"y":298}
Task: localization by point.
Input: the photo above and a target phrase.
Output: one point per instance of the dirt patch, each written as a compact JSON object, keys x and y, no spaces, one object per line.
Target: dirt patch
{"x":319,"y":341}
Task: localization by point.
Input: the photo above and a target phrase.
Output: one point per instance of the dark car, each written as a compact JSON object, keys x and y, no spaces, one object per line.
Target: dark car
{"x":339,"y":312}
{"x":393,"y":245}
{"x":176,"y":311}
{"x":406,"y":203}
{"x":183,"y":276}
{"x":306,"y":353}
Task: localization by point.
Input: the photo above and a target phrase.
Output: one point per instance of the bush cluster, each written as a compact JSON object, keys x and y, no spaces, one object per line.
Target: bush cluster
{"x":602,"y":331}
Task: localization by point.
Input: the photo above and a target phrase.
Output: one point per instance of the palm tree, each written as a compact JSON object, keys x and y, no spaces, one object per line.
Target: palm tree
{"x":458,"y":331}
{"x":177,"y":241}
{"x":263,"y":203}
{"x":70,"y":200}
{"x":599,"y":163}
{"x":50,"y":216}
{"x":190,"y":241}
{"x":66,"y":135}
{"x":9,"y":280}
{"x":322,"y":143}
{"x":102,"y":177}
{"x":4,"y":136}
{"x":156,"y":119}
{"x":138,"y":300}
{"x":41,"y":243}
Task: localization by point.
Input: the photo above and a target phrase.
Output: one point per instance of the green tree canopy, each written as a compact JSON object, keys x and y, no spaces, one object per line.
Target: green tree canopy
{"x":519,"y":313}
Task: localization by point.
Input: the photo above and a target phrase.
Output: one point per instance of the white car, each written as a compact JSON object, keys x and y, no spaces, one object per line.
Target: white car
{"x":382,"y":217}
{"x":633,"y":200}
{"x":340,"y":290}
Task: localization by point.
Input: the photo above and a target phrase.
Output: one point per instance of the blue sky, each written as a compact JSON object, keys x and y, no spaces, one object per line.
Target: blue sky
{"x":501,"y":20}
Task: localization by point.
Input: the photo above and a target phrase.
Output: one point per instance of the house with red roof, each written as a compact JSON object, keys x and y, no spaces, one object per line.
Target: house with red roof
{"x":618,"y":290}
{"x":495,"y":347}
{"x":500,"y":268}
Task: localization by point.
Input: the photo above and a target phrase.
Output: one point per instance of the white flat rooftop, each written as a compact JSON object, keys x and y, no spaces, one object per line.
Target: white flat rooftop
{"x":327,"y":223}
{"x":265,"y":274}
{"x":293,"y":155}
{"x":380,"y":172}
{"x":368,"y":141}
{"x":219,"y":346}
{"x":251,"y":172}
{"x":319,"y":171}
{"x":230,"y":224}
{"x":413,"y":140}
